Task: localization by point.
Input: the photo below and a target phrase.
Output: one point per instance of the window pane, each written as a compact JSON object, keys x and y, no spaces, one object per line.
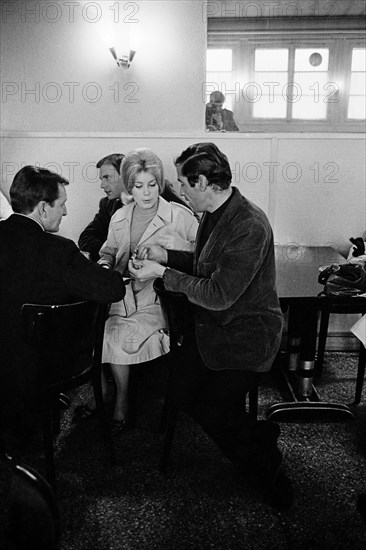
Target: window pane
{"x":357,"y":108}
{"x":315,"y":59}
{"x":311,"y":84}
{"x":307,"y":109}
{"x":271,"y":60}
{"x":270,"y":107}
{"x":358,"y":59}
{"x":219,"y":60}
{"x":274,"y":81}
{"x":358,"y":84}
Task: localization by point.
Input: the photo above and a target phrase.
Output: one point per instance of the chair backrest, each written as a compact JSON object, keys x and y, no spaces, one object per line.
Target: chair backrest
{"x":64,"y":336}
{"x":33,"y":516}
{"x":177,"y":311}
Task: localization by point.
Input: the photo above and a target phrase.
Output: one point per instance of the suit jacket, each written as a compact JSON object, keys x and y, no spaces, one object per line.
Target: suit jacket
{"x":39,"y":267}
{"x":95,"y":234}
{"x":227,"y":118}
{"x":238,"y":319}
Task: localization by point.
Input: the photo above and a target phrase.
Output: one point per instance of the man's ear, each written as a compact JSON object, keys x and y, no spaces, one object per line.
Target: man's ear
{"x":202,"y":182}
{"x":41,"y":206}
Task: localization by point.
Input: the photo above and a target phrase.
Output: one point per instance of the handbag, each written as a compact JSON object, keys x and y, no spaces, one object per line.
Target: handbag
{"x":343,"y":280}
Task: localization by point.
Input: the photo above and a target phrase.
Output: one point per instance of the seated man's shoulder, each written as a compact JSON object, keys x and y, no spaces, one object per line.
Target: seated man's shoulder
{"x":58,"y":241}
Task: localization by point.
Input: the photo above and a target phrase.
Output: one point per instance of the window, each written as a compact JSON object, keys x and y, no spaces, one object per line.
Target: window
{"x":306,"y":77}
{"x":357,"y":89}
{"x":219,"y":67}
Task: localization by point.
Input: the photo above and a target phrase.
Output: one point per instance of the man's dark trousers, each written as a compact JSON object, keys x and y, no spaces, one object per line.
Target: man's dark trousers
{"x":216,"y":401}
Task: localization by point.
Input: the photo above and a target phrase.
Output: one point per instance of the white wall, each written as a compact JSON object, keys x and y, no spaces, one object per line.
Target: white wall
{"x":77,"y":85}
{"x":311,"y":186}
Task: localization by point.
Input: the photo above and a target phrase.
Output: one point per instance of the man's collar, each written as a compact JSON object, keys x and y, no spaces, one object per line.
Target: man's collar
{"x":30,"y":218}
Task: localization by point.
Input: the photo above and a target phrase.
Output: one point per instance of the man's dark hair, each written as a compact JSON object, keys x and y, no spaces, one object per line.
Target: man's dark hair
{"x":217,"y":97}
{"x":114,"y":159}
{"x":32,"y":185}
{"x":205,"y":159}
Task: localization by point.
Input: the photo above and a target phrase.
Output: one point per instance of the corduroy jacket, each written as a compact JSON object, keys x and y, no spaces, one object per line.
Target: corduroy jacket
{"x":238,"y":319}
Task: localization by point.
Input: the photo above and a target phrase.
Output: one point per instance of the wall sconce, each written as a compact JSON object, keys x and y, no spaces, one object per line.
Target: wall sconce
{"x":125,"y":60}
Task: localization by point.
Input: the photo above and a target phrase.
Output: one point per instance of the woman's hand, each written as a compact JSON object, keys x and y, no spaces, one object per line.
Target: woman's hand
{"x":145,"y":269}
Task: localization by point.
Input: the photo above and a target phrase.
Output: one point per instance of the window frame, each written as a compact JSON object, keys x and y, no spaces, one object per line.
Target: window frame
{"x":339,"y":34}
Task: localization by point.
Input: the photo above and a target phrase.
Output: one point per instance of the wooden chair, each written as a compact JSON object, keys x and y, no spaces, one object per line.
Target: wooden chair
{"x":33,"y":515}
{"x":68,"y":340}
{"x":178,"y":315}
{"x":341,"y":305}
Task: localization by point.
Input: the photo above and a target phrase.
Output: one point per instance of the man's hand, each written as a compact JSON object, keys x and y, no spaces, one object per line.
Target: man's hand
{"x":145,"y":269}
{"x":172,"y":241}
{"x":152,"y":252}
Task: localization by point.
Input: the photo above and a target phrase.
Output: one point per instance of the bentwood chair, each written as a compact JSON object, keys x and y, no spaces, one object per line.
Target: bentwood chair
{"x":32,"y":515}
{"x":68,"y":341}
{"x":340,"y":305}
{"x":179,"y":320}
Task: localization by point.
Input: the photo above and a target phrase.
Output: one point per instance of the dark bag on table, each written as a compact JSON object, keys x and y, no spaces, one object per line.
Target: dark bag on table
{"x":343,"y":280}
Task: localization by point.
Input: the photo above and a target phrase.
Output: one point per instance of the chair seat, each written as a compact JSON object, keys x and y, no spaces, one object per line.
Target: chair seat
{"x":33,"y":515}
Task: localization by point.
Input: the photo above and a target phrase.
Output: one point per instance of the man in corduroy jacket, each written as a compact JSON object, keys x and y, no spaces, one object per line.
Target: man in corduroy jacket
{"x":230,"y":280}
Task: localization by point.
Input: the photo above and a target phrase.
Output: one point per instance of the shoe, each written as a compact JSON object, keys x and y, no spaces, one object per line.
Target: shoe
{"x":361,"y":505}
{"x":119,"y":426}
{"x":280,"y":494}
{"x":82,"y":412}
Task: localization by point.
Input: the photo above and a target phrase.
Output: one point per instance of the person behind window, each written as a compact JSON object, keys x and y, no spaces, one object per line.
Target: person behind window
{"x":217,"y":118}
{"x":134,"y":329}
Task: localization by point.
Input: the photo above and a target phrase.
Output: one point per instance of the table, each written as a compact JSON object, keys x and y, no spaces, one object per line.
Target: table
{"x":298,"y":288}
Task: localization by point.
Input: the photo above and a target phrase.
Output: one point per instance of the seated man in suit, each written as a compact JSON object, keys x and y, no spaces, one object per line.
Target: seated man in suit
{"x":95,"y":234}
{"x":39,"y":267}
{"x":230,"y":279}
{"x":217,"y":118}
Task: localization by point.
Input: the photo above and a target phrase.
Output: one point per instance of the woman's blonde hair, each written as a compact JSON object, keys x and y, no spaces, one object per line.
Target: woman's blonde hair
{"x":142,"y":160}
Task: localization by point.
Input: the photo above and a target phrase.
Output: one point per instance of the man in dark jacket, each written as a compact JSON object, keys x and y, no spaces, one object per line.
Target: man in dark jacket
{"x":230,"y":279}
{"x":95,"y":234}
{"x":39,"y":267}
{"x":217,"y":118}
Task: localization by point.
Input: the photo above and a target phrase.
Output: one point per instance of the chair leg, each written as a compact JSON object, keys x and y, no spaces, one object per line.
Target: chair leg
{"x":323,"y":332}
{"x":104,"y":425}
{"x":132,"y":396}
{"x":171,"y":422}
{"x":164,"y":418}
{"x":253,"y":402}
{"x":360,"y":374}
{"x":47,"y":421}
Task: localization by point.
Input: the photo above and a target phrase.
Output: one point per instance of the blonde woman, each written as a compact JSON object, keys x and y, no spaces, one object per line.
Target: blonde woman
{"x":134,"y":329}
